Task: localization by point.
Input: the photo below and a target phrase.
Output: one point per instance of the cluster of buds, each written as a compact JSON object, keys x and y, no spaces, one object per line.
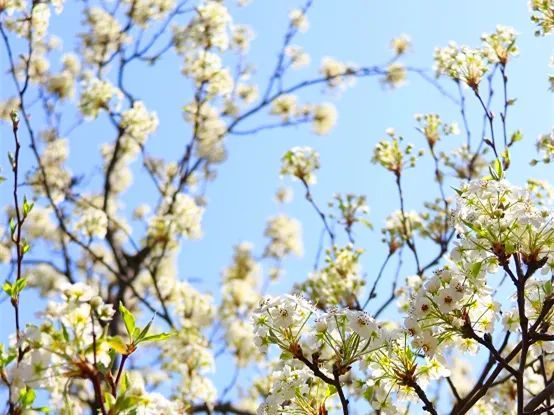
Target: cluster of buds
{"x":431,"y":126}
{"x":390,"y":155}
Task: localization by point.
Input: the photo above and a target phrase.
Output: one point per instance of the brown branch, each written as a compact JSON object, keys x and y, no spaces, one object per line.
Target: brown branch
{"x":221,"y":407}
{"x":335,"y":381}
{"x":427,"y":404}
{"x":309,"y":198}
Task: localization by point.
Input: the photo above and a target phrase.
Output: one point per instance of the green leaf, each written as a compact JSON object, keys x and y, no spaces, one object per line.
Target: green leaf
{"x":27,"y":207}
{"x":366,"y":223}
{"x":126,"y":403}
{"x":118,"y":344}
{"x":27,"y":397}
{"x":145,"y":330}
{"x":368,"y":393}
{"x":12,"y":160}
{"x":516,"y":136}
{"x":331,"y":390}
{"x":14,"y":289}
{"x":409,"y":353}
{"x":471,"y":226}
{"x":506,"y":161}
{"x":124,"y":384}
{"x":65,"y":333}
{"x":128,"y":319}
{"x":43,"y":409}
{"x":548,"y":288}
{"x":12,"y":226}
{"x":25,"y":247}
{"x":109,"y":400}
{"x":156,"y":337}
{"x":496,"y":170}
{"x":7,"y":287}
{"x":20,"y":284}
{"x":458,"y":191}
{"x":9,"y":358}
{"x":475,"y":268}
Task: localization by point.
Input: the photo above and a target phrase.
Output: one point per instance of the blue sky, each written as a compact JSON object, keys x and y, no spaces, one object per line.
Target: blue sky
{"x":241,"y":199}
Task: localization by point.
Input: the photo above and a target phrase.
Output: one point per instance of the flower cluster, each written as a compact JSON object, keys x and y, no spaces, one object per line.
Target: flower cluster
{"x":324,"y":118}
{"x":463,"y":163}
{"x":97,"y":95}
{"x":293,"y":324}
{"x":537,"y":293}
{"x":62,"y":84}
{"x":400,"y":227}
{"x":352,"y":209}
{"x":177,"y":217}
{"x":545,"y":146}
{"x":299,"y":20}
{"x":143,"y":11}
{"x":36,"y":21}
{"x":241,"y":37}
{"x":240,"y":296}
{"x":93,"y":222}
{"x":283,"y":194}
{"x":187,"y":353}
{"x":284,"y":235}
{"x":452,"y":308}
{"x":247,"y":93}
{"x":105,"y":36}
{"x":401,"y":44}
{"x":201,"y":43}
{"x":209,"y":28}
{"x":462,"y":64}
{"x":500,"y":45}
{"x":210,"y":130}
{"x":436,"y":219}
{"x":394,"y":370}
{"x":61,"y":350}
{"x":395,"y":75}
{"x":285,"y":106}
{"x":301,"y":163}
{"x":138,"y":123}
{"x":337,"y":73}
{"x":298,"y":57}
{"x":7,"y":107}
{"x":497,"y":220}
{"x":56,"y":175}
{"x":541,"y":191}
{"x":288,"y":389}
{"x":329,"y":343}
{"x":543,"y":16}
{"x":206,"y":68}
{"x":469,"y":65}
{"x":339,"y":282}
{"x":36,"y":65}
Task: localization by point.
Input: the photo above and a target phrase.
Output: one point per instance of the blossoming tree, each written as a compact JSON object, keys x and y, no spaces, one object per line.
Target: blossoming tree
{"x":121,"y":333}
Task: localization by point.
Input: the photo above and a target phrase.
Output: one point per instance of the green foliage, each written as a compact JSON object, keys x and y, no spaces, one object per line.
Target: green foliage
{"x":135,"y":334}
{"x":15,"y":288}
